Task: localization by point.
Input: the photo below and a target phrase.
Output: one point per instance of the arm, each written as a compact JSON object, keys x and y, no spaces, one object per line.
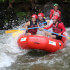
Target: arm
{"x":51,"y":14}
{"x":62,"y":27}
{"x":39,"y":28}
{"x":49,"y":27}
{"x":27,"y":24}
{"x":48,"y":21}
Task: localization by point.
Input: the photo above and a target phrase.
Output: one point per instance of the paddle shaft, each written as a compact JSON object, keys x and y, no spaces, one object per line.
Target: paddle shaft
{"x":32,"y":28}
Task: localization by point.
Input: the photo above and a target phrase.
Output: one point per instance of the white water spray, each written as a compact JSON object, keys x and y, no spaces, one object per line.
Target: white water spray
{"x":9,"y":50}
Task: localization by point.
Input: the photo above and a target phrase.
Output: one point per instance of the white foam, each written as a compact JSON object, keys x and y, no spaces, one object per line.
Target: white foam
{"x":9,"y":50}
{"x":5,"y":60}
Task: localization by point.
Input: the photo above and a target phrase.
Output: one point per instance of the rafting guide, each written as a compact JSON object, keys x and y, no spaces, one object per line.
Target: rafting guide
{"x":55,"y":12}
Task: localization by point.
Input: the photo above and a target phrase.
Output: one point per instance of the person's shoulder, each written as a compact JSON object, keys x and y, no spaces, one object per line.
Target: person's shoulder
{"x":28,"y":22}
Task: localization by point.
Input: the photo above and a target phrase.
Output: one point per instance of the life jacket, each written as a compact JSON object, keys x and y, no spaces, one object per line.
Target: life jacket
{"x":39,"y":22}
{"x":56,"y":29}
{"x":32,"y":31}
{"x":55,"y":13}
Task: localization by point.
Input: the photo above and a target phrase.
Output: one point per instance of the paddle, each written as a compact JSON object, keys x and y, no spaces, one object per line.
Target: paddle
{"x":56,"y":33}
{"x":11,"y":31}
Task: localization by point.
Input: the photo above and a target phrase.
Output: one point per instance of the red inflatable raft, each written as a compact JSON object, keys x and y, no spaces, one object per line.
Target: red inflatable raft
{"x":41,"y":43}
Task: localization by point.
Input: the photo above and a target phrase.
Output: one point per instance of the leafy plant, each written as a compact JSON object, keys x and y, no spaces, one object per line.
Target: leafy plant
{"x":21,"y":14}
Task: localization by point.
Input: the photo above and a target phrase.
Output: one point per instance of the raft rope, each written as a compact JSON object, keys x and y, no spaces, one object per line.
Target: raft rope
{"x":32,"y":28}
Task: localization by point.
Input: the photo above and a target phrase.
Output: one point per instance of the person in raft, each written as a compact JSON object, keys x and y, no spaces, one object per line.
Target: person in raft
{"x":55,"y":12}
{"x":30,"y":24}
{"x":40,"y":20}
{"x":58,"y":27}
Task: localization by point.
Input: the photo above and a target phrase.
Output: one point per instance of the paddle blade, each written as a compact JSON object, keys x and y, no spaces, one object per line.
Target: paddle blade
{"x":15,"y":34}
{"x":10,"y":31}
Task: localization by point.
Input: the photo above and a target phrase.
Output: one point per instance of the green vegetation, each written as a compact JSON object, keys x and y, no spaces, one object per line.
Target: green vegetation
{"x":21,"y":14}
{"x":2,"y":0}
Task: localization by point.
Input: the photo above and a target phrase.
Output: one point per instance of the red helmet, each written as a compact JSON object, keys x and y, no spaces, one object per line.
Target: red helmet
{"x":35,"y":16}
{"x":41,"y":14}
{"x":55,"y":17}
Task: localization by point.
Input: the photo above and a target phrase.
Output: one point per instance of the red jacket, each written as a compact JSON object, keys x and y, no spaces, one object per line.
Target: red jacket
{"x":57,"y":13}
{"x":57,"y":28}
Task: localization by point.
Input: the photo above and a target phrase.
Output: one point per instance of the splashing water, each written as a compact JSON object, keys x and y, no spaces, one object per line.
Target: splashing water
{"x":9,"y":50}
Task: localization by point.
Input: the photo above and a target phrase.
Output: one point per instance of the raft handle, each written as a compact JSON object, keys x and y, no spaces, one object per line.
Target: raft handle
{"x":36,"y":42}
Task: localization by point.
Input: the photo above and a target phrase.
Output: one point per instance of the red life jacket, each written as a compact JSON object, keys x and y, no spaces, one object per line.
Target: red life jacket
{"x":55,"y":13}
{"x":56,"y":29}
{"x":32,"y":31}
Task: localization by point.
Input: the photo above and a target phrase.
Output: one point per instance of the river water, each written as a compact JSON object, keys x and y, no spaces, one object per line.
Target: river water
{"x":14,"y":58}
